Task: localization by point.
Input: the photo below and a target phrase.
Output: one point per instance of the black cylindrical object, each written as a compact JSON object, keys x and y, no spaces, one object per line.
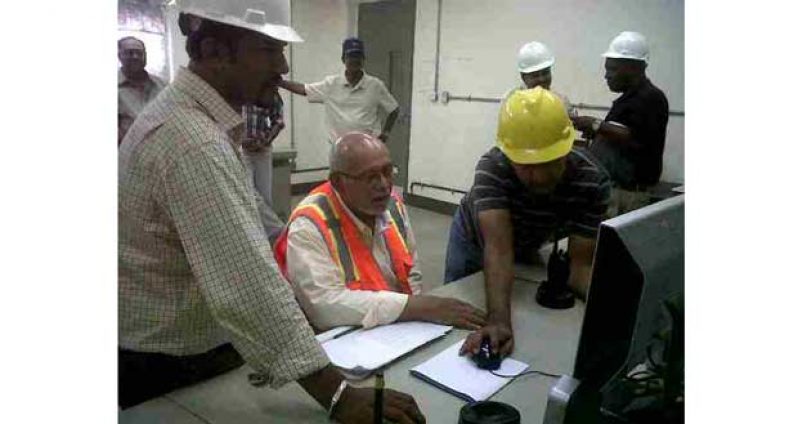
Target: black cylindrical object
{"x":489,"y":412}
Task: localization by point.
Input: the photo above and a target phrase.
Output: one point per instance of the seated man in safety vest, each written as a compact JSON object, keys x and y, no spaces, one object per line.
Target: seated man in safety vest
{"x":349,"y":251}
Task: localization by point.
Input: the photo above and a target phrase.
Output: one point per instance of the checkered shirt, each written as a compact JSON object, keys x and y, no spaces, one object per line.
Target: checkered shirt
{"x":195,"y":266}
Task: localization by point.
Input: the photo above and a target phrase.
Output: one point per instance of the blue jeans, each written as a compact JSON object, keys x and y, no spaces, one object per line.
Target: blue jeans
{"x":463,"y":256}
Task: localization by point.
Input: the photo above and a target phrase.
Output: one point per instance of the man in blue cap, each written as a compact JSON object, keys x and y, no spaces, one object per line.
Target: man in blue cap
{"x":352,"y":100}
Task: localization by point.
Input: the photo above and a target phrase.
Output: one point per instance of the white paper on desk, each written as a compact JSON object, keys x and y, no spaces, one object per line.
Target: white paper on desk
{"x":460,"y":376}
{"x":368,"y":350}
{"x":333,"y":333}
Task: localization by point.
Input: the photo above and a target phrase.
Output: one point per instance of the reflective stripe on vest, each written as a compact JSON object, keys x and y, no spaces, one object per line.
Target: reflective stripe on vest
{"x":324,"y":209}
{"x":331,"y":229}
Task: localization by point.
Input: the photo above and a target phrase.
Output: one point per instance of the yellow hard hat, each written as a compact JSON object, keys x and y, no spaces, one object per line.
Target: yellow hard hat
{"x":534,"y":127}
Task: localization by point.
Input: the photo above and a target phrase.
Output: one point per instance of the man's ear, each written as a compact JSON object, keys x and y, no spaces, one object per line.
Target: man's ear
{"x":215,"y":50}
{"x":335,"y":180}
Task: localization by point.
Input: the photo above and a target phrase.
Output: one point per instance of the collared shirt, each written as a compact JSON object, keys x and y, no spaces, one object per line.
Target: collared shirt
{"x":195,"y":266}
{"x":320,"y":284}
{"x":351,"y":108}
{"x":133,"y":96}
{"x":644,"y":110}
{"x":577,"y":205}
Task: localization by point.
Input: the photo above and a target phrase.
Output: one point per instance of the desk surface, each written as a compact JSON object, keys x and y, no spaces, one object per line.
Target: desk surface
{"x":545,"y":339}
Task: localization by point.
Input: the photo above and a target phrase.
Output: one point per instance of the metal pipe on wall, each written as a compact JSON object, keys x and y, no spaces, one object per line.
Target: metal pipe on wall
{"x":437,"y":50}
{"x":446,"y":98}
{"x":291,"y":75}
{"x":425,"y":185}
{"x":301,"y":171}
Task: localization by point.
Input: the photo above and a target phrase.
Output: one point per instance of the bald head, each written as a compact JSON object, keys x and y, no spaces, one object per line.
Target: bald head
{"x":351,"y":149}
{"x":362,"y":173}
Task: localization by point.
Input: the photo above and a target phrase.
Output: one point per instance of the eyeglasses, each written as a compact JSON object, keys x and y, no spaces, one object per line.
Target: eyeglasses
{"x":373,"y":177}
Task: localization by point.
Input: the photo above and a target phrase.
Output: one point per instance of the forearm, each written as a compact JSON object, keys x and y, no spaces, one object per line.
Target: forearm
{"x":417,"y":308}
{"x":498,"y":285}
{"x":364,"y":308}
{"x":389,"y":121}
{"x":294,"y":87}
{"x":615,"y":133}
{"x":581,"y":252}
{"x":579,"y":280}
{"x":322,"y":384}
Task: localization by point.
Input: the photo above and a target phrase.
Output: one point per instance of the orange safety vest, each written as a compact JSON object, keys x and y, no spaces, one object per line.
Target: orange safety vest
{"x":345,"y":244}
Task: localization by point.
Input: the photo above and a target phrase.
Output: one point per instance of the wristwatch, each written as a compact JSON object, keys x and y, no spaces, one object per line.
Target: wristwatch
{"x":336,"y":397}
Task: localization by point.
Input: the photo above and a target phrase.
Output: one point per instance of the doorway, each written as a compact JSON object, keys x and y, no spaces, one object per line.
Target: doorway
{"x":388,"y":28}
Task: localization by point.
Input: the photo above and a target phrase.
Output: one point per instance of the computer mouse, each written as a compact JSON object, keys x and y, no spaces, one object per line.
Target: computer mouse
{"x":485,"y":359}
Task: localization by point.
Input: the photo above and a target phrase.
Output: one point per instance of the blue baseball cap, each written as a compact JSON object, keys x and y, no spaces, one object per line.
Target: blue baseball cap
{"x":353,"y":46}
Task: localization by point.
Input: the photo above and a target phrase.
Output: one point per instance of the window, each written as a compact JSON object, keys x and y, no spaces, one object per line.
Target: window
{"x":144,"y":19}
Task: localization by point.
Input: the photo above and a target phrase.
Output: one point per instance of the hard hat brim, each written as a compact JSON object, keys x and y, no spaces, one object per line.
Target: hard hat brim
{"x":538,"y":156}
{"x":537,"y":67}
{"x":278,"y":32}
{"x":614,"y":55}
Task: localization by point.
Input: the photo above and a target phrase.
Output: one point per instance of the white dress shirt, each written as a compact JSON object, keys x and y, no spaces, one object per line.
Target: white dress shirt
{"x":319,"y":284}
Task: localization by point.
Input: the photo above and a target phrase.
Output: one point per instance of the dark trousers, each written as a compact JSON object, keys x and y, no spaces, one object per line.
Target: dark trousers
{"x":146,"y":375}
{"x":463,"y":256}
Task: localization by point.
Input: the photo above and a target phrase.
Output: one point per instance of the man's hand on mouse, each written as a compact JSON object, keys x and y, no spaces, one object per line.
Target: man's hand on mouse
{"x":500,"y":335}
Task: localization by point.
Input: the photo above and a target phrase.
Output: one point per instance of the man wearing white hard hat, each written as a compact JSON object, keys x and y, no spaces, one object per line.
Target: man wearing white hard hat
{"x":535,"y":61}
{"x":630,"y":140}
{"x":199,"y":290}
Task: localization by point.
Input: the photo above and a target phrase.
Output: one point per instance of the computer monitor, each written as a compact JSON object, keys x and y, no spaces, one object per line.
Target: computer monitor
{"x":633,"y":324}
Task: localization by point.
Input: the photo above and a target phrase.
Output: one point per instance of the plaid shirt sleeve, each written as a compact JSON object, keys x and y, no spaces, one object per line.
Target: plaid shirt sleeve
{"x":218,"y":222}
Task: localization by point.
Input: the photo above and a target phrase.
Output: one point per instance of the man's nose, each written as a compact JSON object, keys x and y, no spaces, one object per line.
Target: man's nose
{"x":283,"y":68}
{"x":385,"y":182}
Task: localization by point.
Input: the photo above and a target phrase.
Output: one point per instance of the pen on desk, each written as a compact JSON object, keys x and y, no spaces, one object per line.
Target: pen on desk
{"x":378,"y":386}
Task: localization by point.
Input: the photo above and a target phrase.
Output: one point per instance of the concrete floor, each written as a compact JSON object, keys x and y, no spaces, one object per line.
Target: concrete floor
{"x":432,"y":234}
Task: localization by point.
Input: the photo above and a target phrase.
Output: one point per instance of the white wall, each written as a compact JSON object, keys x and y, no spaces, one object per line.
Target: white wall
{"x":477,"y":57}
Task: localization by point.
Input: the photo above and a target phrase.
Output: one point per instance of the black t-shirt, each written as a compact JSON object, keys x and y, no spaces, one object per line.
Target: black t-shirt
{"x":576,"y":206}
{"x":644,"y":110}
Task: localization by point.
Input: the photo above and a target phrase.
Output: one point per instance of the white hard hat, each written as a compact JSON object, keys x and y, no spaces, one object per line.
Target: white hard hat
{"x":269,"y":17}
{"x":628,"y":45}
{"x":533,"y":57}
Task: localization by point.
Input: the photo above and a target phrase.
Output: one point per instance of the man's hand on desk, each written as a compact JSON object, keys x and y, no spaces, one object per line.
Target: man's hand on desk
{"x":499,"y":334}
{"x":357,"y":406}
{"x":443,"y":310}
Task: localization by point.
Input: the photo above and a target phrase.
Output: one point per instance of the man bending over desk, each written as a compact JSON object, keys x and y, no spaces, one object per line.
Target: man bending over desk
{"x":349,"y":251}
{"x":527,"y":190}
